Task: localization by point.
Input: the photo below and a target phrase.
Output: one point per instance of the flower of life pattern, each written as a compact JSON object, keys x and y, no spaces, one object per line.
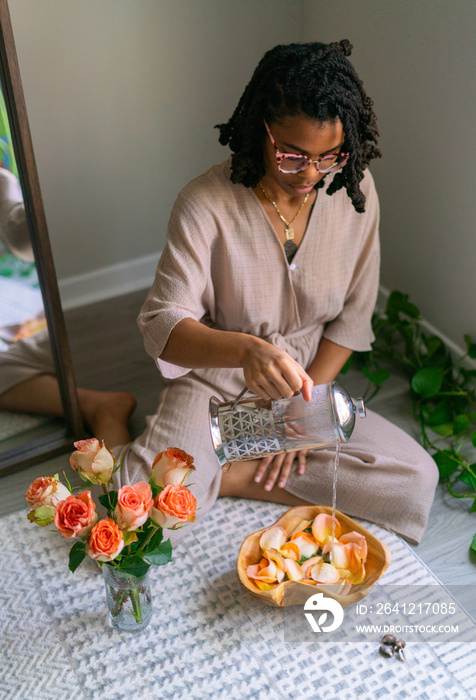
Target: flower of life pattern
{"x":248,"y":434}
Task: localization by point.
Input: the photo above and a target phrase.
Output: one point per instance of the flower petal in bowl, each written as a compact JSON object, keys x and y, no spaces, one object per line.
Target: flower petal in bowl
{"x":297,"y":592}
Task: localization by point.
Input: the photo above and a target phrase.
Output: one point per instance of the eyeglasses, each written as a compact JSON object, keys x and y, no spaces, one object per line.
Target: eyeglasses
{"x":290,"y":163}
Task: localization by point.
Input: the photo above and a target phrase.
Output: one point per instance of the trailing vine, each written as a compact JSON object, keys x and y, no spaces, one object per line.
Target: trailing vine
{"x":442,"y":389}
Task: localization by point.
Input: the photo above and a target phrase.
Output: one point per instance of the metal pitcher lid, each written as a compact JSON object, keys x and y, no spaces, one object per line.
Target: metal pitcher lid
{"x":345,"y":410}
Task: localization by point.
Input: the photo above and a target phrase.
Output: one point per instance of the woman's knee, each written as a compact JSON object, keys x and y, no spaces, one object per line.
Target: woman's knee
{"x":237,"y":477}
{"x":427,"y":472}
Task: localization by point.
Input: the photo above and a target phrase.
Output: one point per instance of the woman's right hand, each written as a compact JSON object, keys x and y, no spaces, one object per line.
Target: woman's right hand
{"x":271,"y":373}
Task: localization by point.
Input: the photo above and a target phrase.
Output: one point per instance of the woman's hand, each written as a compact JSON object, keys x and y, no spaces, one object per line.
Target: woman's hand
{"x":273,"y":374}
{"x":279,"y":468}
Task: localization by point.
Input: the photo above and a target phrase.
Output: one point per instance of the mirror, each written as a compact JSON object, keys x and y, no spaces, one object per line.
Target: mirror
{"x":30,"y":305}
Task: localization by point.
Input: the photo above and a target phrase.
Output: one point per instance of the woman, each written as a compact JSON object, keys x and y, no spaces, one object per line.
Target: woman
{"x":268,"y":280}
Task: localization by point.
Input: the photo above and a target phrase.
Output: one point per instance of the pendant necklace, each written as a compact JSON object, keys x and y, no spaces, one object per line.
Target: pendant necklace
{"x":290,"y":247}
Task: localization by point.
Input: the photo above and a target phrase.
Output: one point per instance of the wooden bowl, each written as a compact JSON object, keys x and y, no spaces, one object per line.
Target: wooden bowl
{"x":297,"y":592}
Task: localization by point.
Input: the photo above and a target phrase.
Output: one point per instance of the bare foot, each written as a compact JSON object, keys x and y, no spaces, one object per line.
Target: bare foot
{"x":106,"y":415}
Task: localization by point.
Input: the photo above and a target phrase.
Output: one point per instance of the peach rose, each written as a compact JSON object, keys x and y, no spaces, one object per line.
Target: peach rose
{"x":93,"y":461}
{"x":134,"y":504}
{"x":171,"y":467}
{"x":173,"y":506}
{"x":106,"y":541}
{"x":46,"y":491}
{"x":75,"y":516}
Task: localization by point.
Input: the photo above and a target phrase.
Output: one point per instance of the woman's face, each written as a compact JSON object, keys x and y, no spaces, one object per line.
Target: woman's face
{"x":303,"y":136}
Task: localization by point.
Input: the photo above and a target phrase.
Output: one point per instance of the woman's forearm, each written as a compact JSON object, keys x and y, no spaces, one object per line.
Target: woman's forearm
{"x":329,"y":360}
{"x":268,"y":370}
{"x":193,"y":345}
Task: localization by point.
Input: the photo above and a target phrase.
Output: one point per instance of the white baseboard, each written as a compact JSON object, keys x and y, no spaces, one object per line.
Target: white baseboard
{"x":108,"y":282}
{"x":456,"y":349}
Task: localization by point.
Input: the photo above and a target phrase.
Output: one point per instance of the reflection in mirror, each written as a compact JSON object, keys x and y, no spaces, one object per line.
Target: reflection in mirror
{"x":23,"y":328}
{"x":32,"y":329}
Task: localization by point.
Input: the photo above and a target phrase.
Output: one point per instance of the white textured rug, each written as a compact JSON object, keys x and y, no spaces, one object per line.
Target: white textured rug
{"x":208,"y":638}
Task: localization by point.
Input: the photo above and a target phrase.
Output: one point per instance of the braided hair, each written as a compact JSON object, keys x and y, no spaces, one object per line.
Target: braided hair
{"x":312,"y":79}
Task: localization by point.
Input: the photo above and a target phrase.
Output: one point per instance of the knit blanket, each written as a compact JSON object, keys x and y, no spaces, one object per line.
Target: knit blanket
{"x":208,"y":637}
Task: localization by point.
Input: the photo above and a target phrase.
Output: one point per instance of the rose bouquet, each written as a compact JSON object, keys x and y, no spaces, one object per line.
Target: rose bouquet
{"x":129,"y":539}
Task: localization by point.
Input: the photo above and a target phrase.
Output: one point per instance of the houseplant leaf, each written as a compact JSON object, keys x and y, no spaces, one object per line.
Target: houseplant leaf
{"x":427,"y":381}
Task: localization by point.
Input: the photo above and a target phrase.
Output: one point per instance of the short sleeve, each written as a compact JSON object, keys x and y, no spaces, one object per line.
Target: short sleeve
{"x":352,"y":328}
{"x":182,"y":287}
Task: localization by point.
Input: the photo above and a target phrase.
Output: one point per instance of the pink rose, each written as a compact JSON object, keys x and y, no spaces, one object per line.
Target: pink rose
{"x":75,"y":516}
{"x":106,"y":541}
{"x":173,"y":506}
{"x":134,"y":504}
{"x":46,"y":491}
{"x":92,"y":461}
{"x":171,"y":467}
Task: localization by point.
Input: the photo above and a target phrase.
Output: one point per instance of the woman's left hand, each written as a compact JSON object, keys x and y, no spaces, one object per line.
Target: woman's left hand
{"x":279,"y":468}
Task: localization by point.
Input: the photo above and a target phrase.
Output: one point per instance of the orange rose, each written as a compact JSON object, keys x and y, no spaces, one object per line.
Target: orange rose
{"x":75,"y":516}
{"x":46,"y":491}
{"x":174,"y":505}
{"x":134,"y":504}
{"x":171,"y":467}
{"x":106,"y":541}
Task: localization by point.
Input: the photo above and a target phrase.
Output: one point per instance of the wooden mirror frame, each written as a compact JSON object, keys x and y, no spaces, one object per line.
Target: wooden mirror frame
{"x":61,"y":440}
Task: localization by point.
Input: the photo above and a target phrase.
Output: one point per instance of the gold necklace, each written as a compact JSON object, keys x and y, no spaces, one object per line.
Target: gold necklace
{"x":288,"y":230}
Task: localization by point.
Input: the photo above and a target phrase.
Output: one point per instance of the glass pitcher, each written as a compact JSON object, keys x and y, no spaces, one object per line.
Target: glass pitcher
{"x":253,"y":427}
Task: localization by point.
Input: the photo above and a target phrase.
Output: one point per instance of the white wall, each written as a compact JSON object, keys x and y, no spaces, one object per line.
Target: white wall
{"x":417,"y":59}
{"x":122,"y":97}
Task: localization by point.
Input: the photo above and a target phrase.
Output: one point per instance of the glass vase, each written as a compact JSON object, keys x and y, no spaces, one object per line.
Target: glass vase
{"x":129,"y":599}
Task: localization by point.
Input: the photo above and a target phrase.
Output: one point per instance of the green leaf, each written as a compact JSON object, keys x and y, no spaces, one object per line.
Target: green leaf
{"x":377,"y":377}
{"x":76,"y":555}
{"x":427,"y":382}
{"x":461,"y":424}
{"x":473,"y":509}
{"x":433,"y":344}
{"x":471,"y":347}
{"x":446,"y":462}
{"x":105,"y":500}
{"x":67,"y":482}
{"x":155,"y":489}
{"x":398,"y":303}
{"x":161,"y":555}
{"x":439,"y":414}
{"x":407,"y":331}
{"x":473,"y":543}
{"x":304,"y":558}
{"x":42,"y":516}
{"x":473,"y":438}
{"x":468,"y":479}
{"x":154,"y":542}
{"x":129,"y":537}
{"x":134,"y":565}
{"x":445,"y":429}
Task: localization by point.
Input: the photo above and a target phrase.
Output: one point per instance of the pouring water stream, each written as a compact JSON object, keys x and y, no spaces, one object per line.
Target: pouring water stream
{"x":334,"y":501}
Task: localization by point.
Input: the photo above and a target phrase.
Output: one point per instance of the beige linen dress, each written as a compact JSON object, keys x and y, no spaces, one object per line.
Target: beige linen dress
{"x":224,"y":265}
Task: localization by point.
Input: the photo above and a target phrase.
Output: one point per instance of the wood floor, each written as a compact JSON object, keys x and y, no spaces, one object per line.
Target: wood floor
{"x":108,"y":354}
